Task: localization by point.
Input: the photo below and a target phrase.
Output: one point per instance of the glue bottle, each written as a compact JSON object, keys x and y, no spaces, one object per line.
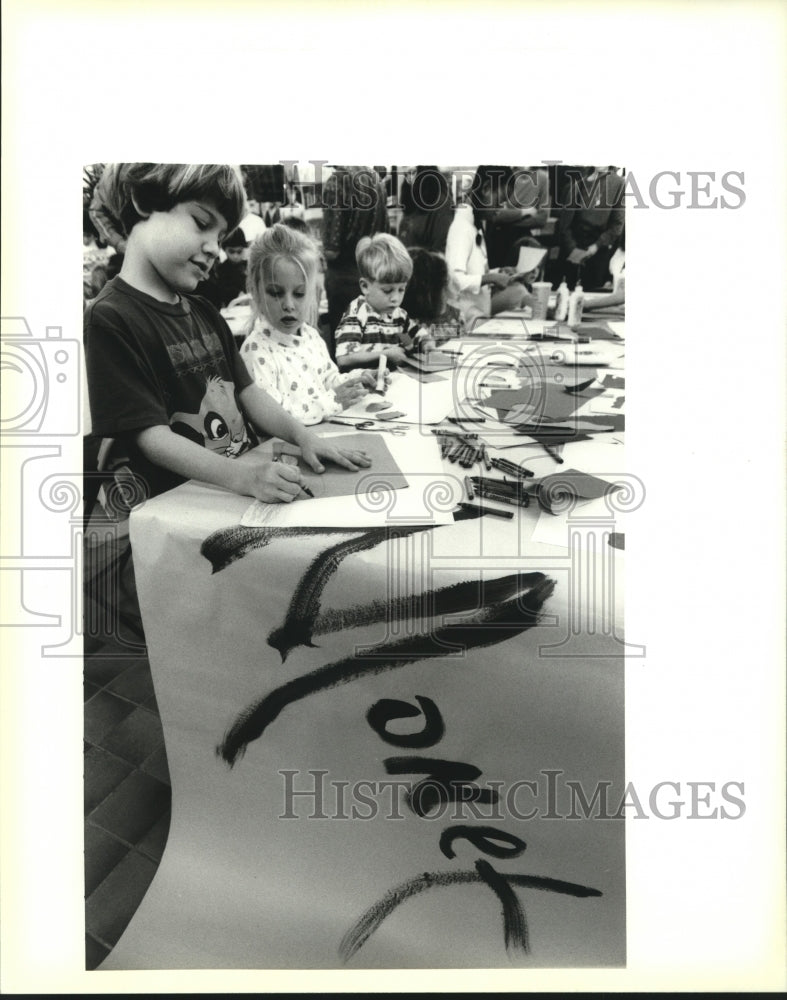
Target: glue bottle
{"x":561,"y":307}
{"x":575,"y":303}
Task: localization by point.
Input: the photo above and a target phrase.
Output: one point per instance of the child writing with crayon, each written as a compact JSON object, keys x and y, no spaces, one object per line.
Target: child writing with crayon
{"x":164,"y":374}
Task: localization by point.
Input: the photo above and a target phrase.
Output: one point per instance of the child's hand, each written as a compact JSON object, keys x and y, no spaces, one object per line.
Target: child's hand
{"x":271,"y":482}
{"x":426,"y":345}
{"x":313,"y":448}
{"x":352,"y":390}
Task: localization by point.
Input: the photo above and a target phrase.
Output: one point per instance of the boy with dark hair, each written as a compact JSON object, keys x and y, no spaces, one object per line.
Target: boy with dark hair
{"x":164,"y":373}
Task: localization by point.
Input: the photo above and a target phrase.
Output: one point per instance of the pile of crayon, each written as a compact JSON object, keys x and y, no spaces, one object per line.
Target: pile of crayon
{"x":465,"y":449}
{"x":501,"y":490}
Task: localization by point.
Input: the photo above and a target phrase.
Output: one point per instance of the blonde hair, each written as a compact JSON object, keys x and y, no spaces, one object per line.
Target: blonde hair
{"x":280,"y":242}
{"x":383,"y":258}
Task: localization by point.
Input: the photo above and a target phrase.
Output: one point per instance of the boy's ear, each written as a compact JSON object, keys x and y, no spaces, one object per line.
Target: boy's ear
{"x":364,"y":285}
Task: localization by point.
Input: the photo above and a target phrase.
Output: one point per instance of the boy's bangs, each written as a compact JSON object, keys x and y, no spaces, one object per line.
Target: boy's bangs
{"x":218,"y":184}
{"x":393,"y":273}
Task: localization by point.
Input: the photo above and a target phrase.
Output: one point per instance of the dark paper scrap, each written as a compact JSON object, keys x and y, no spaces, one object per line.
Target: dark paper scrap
{"x":554,"y":489}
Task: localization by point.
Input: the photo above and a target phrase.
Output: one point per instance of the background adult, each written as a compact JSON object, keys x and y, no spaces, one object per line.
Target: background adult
{"x":523,"y":213}
{"x":427,"y":210}
{"x":476,"y":290}
{"x":590,"y":222}
{"x":353,"y":206}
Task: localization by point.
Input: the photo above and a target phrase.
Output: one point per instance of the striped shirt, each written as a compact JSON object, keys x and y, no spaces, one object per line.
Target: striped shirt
{"x":363,"y":330}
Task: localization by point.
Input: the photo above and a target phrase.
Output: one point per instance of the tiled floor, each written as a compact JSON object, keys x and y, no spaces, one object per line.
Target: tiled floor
{"x":126,"y":788}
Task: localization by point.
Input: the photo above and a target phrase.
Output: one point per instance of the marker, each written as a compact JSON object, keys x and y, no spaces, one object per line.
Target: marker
{"x":503,"y":465}
{"x":507,"y":514}
{"x":307,"y":491}
{"x":380,"y":387}
{"x":486,"y":494}
{"x":551,"y":453}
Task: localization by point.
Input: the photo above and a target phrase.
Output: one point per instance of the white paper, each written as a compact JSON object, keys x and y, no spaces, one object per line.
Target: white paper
{"x":419,"y":402}
{"x":588,"y":525}
{"x":529,"y":259}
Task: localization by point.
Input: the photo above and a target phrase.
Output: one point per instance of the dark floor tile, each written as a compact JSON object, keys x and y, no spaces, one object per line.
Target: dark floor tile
{"x":136,"y":737}
{"x":95,"y":953}
{"x":135,"y":683}
{"x":102,"y":713}
{"x":105,"y":667}
{"x":92,"y":645}
{"x":103,"y":773}
{"x":90,"y":689}
{"x":132,"y":809}
{"x":109,"y":909}
{"x":155,"y":840}
{"x":157,"y":766}
{"x":151,"y":705}
{"x":103,"y":852}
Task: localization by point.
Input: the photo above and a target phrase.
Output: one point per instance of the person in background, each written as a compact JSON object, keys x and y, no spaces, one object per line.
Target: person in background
{"x":231,"y":273}
{"x":426,"y":210}
{"x":165,"y":377}
{"x":591,"y":220}
{"x":94,"y":263}
{"x":354,"y":206}
{"x":283,"y":353}
{"x":251,"y":224}
{"x":107,"y":225}
{"x":523,"y":212}
{"x":293,"y":208}
{"x":475,"y":289}
{"x":375,"y":323}
{"x":613,"y":292}
{"x":426,"y":297}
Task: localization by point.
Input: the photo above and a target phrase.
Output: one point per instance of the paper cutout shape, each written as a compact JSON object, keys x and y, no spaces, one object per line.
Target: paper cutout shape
{"x":553,"y":490}
{"x":541,"y":400}
{"x":599,"y":332}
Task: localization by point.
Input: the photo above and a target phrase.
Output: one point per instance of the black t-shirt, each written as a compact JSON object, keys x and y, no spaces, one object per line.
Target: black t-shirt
{"x":152,"y":363}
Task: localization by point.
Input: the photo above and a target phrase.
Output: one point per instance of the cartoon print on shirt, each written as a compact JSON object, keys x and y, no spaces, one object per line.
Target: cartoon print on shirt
{"x":218,"y":424}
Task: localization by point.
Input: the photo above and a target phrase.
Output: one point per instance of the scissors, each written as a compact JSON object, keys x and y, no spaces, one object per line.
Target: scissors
{"x":372,"y":425}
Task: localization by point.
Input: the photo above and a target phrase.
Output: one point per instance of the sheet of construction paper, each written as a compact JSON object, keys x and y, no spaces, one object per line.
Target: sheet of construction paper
{"x":370,"y":496}
{"x":339,"y":482}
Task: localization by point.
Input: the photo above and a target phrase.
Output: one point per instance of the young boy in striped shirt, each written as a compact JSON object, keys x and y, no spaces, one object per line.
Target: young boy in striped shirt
{"x":374,"y":323}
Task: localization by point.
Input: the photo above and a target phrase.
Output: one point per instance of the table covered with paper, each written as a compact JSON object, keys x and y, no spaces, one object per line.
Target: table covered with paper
{"x":394,"y":725}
